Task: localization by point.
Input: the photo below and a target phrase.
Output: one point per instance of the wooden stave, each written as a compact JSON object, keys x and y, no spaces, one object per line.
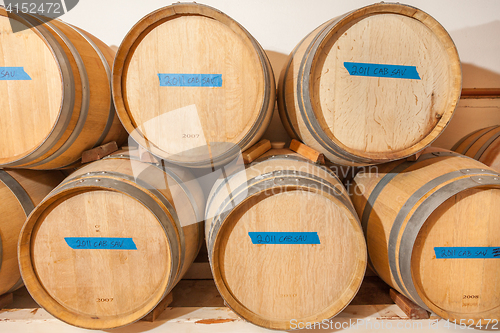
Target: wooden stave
{"x":71,"y":134}
{"x":27,"y":197}
{"x":112,"y":129}
{"x":27,"y":205}
{"x":481,"y":145}
{"x":127,"y":48}
{"x":67,"y":139}
{"x":281,"y":92}
{"x":71,"y":86}
{"x":315,"y":136}
{"x":405,"y":228}
{"x":183,"y":250}
{"x":215,"y":224}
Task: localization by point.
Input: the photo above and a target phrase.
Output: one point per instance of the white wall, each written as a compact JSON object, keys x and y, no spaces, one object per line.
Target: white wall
{"x":280,"y":24}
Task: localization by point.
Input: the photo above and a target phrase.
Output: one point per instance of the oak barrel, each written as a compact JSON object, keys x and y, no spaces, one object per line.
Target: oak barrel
{"x":193,"y":86}
{"x":482,"y":145}
{"x":431,"y":228}
{"x":20,"y":192}
{"x":377,"y":84}
{"x":108,"y":244}
{"x":55,"y":80}
{"x":284,"y":242}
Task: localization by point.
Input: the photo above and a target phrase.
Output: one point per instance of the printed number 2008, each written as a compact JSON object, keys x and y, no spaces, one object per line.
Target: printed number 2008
{"x":470,"y":296}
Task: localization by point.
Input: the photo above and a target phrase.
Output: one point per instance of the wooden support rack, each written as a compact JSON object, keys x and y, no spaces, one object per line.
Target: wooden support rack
{"x":195,"y":305}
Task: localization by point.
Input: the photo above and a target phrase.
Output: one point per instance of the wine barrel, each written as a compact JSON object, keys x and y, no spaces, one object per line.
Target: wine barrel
{"x":20,"y":192}
{"x":482,"y":145}
{"x":193,"y":86}
{"x":284,"y":242}
{"x":56,"y":88}
{"x":108,"y":244}
{"x":431,"y":228}
{"x":377,"y":84}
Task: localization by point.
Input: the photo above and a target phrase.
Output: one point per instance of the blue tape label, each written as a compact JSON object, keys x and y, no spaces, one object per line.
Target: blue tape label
{"x":190,"y":80}
{"x":284,"y":237}
{"x":467,"y":252}
{"x":382,"y":70}
{"x":13,"y":74}
{"x":100,"y":243}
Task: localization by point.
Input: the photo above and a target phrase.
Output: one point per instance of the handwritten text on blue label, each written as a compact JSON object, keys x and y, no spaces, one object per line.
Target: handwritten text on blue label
{"x":13,"y":74}
{"x":100,"y":243}
{"x":467,"y":252}
{"x":190,"y":80}
{"x":284,"y":237}
{"x":382,"y":70}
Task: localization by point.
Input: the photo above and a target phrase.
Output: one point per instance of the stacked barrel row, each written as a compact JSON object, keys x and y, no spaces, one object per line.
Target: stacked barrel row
{"x":194,"y":89}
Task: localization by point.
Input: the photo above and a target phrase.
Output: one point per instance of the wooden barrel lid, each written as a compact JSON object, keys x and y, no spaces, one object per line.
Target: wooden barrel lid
{"x":190,"y":83}
{"x":464,"y":287}
{"x":272,"y":284}
{"x":30,"y":77}
{"x":116,"y":281}
{"x":380,"y":83}
{"x":431,"y":232}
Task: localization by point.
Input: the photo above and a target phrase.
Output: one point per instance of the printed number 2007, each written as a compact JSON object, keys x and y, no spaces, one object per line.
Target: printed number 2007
{"x":99,"y":300}
{"x":190,"y":136}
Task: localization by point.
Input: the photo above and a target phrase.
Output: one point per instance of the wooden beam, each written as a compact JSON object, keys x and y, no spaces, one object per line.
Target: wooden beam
{"x":257,"y":150}
{"x":198,"y":271}
{"x":468,"y":93}
{"x":97,"y":153}
{"x":158,"y":310}
{"x":412,"y":310}
{"x":6,"y":300}
{"x":278,"y":145}
{"x":414,"y":157}
{"x":307,"y":152}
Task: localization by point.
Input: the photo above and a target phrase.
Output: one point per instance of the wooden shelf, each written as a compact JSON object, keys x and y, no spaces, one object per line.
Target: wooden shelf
{"x":198,"y":307}
{"x":471,"y":93}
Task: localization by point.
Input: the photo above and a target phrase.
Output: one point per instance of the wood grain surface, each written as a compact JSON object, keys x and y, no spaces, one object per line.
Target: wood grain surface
{"x":271,"y":284}
{"x":12,"y":216}
{"x":460,"y":197}
{"x":482,"y":145}
{"x":195,"y":123}
{"x":119,"y":198}
{"x":360,"y":118}
{"x":65,"y":106}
